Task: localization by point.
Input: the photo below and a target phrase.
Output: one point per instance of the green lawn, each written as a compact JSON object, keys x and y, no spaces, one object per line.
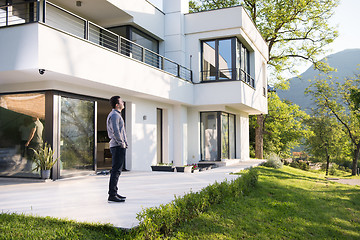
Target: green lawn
{"x":339,"y":174}
{"x":14,"y":226}
{"x":287,"y":204}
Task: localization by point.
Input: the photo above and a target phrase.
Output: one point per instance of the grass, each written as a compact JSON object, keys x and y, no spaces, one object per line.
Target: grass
{"x":13,"y":226}
{"x":287,"y":203}
{"x":338,"y":174}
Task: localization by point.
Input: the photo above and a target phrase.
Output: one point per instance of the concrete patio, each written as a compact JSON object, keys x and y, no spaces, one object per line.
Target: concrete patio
{"x":84,"y":199}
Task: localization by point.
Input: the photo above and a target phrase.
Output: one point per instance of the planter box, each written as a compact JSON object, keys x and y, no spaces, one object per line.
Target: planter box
{"x":186,"y":169}
{"x":163,"y":168}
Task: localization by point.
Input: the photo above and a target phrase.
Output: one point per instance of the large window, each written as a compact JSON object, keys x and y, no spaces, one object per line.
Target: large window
{"x":217,"y":136}
{"x":140,"y":50}
{"x":22,"y":122}
{"x":225,"y":59}
{"x":77,"y":131}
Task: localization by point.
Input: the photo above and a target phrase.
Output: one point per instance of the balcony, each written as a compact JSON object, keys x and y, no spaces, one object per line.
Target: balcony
{"x":228,"y":75}
{"x":61,"y":19}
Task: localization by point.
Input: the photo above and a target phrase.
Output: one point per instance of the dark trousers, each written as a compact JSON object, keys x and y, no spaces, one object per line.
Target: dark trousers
{"x":118,"y":160}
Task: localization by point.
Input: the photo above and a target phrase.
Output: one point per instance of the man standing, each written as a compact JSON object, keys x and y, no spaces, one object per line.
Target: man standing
{"x":118,"y":145}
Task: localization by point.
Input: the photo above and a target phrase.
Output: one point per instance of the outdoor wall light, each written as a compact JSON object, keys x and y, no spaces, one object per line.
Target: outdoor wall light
{"x":41,"y":71}
{"x":144,"y":117}
{"x":78,"y":3}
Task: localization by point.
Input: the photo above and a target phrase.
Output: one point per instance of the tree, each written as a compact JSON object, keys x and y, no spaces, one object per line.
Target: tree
{"x":295,"y":31}
{"x":326,"y":141}
{"x":283,"y":128}
{"x":341,"y":100}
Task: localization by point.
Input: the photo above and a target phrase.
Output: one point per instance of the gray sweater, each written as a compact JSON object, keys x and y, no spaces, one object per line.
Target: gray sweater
{"x":116,"y":129}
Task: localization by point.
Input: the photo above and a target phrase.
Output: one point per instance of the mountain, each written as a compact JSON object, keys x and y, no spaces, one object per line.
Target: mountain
{"x":347,"y":64}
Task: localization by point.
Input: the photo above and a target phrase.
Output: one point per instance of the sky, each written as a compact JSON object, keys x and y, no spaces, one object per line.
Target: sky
{"x":347,"y":17}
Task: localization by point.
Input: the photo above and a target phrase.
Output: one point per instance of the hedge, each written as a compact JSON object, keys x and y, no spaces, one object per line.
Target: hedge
{"x":159,"y":222}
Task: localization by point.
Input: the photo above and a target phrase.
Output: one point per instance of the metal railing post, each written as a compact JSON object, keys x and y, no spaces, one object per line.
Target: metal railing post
{"x":178,"y":70}
{"x":7,"y":16}
{"x":143,"y":54}
{"x":118,"y":43}
{"x":38,"y":10}
{"x":44,"y":10}
{"x":86,"y":30}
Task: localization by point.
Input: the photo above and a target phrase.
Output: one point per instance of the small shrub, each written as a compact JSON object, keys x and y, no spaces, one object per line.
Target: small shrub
{"x":160,"y":222}
{"x":333,"y":168}
{"x":273,"y":161}
{"x":303,"y":165}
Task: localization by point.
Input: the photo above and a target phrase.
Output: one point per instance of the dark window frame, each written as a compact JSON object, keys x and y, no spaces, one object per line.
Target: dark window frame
{"x":236,"y":45}
{"x":219,"y":136}
{"x":129,"y":31}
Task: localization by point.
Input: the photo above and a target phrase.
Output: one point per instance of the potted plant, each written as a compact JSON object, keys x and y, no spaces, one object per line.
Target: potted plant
{"x":165,"y":167}
{"x":44,"y":160}
{"x":184,"y":169}
{"x":195,"y":168}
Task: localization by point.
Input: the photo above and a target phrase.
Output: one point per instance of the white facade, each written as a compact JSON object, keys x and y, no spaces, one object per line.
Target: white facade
{"x":74,"y":65}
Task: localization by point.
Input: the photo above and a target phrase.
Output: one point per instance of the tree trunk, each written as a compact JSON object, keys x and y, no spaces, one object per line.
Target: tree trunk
{"x":327,"y":164}
{"x":259,"y":131}
{"x":355,"y":160}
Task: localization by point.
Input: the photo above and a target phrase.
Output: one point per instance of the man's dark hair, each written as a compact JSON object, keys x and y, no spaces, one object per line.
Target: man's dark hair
{"x":114,"y":100}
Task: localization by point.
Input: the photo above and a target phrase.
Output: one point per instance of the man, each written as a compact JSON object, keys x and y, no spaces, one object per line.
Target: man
{"x":118,"y":145}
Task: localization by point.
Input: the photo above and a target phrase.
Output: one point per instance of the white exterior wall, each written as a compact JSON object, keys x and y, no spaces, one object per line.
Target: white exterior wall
{"x":224,"y":23}
{"x":145,"y":15}
{"x":242,"y":136}
{"x":80,"y":67}
{"x":175,"y":30}
{"x":193,"y":154}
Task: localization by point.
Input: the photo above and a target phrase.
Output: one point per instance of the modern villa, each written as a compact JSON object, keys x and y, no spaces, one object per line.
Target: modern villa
{"x":189,"y":81}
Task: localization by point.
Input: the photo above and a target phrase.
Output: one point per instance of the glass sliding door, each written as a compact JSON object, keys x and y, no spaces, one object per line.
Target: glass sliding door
{"x":217,"y":136}
{"x":77,"y":132}
{"x":159,"y":135}
{"x":22,"y":124}
{"x":224,"y":136}
{"x":209,"y":140}
{"x":232,"y":132}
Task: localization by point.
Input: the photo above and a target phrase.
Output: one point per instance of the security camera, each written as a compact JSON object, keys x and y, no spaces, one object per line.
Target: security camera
{"x":41,"y":71}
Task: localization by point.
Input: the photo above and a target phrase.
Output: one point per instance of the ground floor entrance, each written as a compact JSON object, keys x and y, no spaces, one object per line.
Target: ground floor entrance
{"x":74,"y":125}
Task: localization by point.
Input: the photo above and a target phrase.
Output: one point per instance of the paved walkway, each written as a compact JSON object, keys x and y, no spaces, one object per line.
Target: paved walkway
{"x":346,"y":181}
{"x":84,"y":199}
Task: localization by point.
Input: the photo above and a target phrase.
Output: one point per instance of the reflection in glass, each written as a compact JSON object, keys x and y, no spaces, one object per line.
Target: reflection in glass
{"x":22,"y":118}
{"x":224,"y":136}
{"x":209,"y":136}
{"x":77,"y":135}
{"x":209,"y":65}
{"x":211,"y":141}
{"x":232,"y":136}
{"x":225,"y":63}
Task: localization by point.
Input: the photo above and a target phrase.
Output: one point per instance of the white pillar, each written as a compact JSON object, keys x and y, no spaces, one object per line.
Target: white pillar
{"x":242,"y":137}
{"x":180,"y":135}
{"x":175,"y":29}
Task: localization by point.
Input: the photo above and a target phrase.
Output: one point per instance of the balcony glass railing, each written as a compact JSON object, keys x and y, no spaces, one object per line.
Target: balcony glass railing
{"x":228,"y":75}
{"x":61,"y":19}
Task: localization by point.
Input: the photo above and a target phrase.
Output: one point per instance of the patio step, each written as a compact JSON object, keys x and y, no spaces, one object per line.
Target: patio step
{"x":222,"y":163}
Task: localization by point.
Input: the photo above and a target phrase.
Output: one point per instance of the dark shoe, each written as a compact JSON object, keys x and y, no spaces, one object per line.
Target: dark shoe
{"x":121,"y":197}
{"x":115,"y":199}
